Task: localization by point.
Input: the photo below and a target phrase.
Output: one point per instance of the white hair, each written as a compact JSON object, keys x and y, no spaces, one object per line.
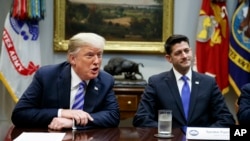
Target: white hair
{"x":85,"y":39}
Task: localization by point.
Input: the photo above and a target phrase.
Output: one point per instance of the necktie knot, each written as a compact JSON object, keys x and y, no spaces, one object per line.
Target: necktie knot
{"x":82,"y":84}
{"x":184,"y":78}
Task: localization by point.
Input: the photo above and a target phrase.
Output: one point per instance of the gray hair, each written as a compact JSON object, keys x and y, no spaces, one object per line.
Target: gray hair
{"x":85,"y":39}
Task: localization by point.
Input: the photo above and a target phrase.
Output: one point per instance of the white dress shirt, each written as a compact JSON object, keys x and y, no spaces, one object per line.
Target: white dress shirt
{"x":180,"y":82}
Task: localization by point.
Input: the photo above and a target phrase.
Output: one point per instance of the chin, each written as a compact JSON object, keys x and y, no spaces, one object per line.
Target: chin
{"x":92,"y":76}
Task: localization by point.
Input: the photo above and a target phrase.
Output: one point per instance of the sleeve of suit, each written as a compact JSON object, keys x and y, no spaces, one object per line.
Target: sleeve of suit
{"x":146,"y":115}
{"x":220,"y":112}
{"x":28,"y":111}
{"x":244,"y":105}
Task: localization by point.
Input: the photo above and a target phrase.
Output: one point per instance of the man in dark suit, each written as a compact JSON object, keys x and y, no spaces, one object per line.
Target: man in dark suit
{"x":48,"y":101}
{"x":205,"y":105}
{"x":244,"y":105}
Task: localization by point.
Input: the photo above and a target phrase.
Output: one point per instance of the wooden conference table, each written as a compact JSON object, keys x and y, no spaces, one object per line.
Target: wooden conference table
{"x":105,"y":134}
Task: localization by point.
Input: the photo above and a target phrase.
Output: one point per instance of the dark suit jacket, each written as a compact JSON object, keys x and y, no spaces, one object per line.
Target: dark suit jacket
{"x":50,"y":90}
{"x":244,"y":105}
{"x":207,"y":106}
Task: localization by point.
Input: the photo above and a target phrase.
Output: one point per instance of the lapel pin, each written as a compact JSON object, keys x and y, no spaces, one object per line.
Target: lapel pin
{"x":197,"y":82}
{"x":96,"y":88}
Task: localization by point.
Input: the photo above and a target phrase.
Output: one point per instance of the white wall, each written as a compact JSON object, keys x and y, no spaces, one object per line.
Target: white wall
{"x":185,"y":22}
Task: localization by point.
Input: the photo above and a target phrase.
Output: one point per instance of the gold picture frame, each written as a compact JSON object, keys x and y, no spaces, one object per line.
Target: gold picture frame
{"x":60,"y":43}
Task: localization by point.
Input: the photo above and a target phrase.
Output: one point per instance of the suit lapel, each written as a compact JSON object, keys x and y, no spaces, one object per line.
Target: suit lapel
{"x":194,"y":93}
{"x":91,"y":95}
{"x":172,"y":84}
{"x":63,"y":87}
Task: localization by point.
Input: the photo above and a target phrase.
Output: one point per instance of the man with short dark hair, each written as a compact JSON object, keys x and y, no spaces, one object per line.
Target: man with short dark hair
{"x":195,"y":99}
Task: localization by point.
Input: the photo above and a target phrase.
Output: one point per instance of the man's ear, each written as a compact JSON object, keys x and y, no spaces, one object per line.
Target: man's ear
{"x":71,"y":59}
{"x":168,"y":58}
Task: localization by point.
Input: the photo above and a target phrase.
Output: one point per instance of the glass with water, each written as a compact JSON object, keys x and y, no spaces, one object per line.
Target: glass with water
{"x":165,"y":122}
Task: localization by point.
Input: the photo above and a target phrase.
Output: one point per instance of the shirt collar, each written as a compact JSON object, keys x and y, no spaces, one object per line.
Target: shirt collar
{"x":178,"y":75}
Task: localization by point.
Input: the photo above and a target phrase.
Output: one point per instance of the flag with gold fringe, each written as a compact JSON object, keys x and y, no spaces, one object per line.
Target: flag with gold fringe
{"x":239,"y":51}
{"x":212,"y":42}
{"x":20,"y":52}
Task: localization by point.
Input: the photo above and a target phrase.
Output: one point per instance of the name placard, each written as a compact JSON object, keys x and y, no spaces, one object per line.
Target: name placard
{"x":206,"y":133}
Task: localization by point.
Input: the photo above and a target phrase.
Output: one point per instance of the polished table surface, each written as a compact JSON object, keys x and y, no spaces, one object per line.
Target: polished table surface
{"x":104,"y":134}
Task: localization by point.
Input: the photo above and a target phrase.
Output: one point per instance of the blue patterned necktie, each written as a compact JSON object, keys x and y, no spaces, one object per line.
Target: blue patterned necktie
{"x":185,"y":95}
{"x":79,"y":97}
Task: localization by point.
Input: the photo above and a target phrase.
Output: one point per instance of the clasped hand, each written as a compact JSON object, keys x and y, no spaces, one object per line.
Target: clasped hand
{"x":66,"y":120}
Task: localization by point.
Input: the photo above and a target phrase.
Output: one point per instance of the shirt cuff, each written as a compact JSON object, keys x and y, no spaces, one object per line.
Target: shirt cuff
{"x":59,"y":113}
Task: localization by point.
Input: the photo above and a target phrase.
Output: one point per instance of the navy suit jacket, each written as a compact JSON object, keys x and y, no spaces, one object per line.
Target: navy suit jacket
{"x":50,"y":90}
{"x":244,"y":105}
{"x":207,"y":105}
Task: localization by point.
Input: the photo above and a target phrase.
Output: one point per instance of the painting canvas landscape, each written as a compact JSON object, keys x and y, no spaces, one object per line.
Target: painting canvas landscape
{"x":117,"y":20}
{"x":131,"y":26}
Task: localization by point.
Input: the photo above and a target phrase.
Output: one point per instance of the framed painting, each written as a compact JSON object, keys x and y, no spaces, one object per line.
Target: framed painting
{"x":129,"y":26}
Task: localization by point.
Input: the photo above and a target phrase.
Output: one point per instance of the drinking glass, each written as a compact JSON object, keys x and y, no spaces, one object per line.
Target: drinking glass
{"x":165,"y":122}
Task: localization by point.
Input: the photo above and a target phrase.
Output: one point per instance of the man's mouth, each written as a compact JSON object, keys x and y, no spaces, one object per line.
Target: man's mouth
{"x":95,"y":69}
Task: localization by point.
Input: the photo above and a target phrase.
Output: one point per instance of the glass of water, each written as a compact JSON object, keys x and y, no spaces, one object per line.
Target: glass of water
{"x":165,"y":122}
